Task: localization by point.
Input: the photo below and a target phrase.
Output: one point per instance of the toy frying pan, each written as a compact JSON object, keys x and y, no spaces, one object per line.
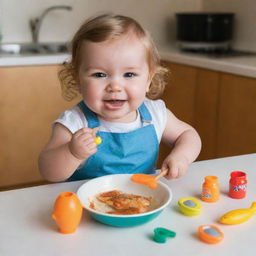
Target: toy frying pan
{"x":148,"y":180}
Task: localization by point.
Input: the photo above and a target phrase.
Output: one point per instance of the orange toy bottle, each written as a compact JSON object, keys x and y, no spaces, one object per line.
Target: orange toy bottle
{"x":67,"y":212}
{"x":210,"y":189}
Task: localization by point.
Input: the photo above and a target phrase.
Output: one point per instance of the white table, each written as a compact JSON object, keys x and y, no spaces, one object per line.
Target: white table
{"x":26,"y":227}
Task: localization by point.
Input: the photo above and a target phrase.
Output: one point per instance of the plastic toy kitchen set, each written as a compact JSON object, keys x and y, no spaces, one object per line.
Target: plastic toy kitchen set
{"x":171,"y":219}
{"x":68,"y":206}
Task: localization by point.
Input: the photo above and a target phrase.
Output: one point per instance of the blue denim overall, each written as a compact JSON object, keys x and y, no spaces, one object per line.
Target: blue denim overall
{"x":129,"y":152}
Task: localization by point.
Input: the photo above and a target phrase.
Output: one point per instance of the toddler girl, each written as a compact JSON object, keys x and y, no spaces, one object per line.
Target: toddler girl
{"x":116,"y":69}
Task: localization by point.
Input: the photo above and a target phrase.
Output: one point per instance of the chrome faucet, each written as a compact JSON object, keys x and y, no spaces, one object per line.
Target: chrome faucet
{"x":36,"y":23}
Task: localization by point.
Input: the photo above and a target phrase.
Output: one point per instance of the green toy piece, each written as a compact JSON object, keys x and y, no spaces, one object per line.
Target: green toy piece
{"x":161,"y":235}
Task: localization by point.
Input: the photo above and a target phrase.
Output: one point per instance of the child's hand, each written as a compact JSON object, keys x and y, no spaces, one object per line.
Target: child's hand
{"x":82,"y":144}
{"x":176,"y":166}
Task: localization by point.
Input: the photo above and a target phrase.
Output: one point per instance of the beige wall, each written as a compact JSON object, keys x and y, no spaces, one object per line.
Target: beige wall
{"x":60,"y":25}
{"x":156,"y":15}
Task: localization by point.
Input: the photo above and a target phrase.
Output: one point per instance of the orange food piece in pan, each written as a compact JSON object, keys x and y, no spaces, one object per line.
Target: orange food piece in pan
{"x":123,"y":203}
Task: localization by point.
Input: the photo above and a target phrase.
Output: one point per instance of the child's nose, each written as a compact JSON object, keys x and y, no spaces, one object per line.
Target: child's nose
{"x":114,"y":86}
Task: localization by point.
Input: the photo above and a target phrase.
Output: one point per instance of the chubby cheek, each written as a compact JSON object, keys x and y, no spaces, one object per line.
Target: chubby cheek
{"x":139,"y":90}
{"x":91,"y":94}
{"x":136,"y":96}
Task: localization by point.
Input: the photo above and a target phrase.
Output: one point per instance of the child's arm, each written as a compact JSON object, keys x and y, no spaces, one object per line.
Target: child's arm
{"x":187,"y":146}
{"x":65,"y":152}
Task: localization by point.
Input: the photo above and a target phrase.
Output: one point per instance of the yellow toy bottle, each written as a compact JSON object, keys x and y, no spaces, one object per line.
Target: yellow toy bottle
{"x":210,"y":189}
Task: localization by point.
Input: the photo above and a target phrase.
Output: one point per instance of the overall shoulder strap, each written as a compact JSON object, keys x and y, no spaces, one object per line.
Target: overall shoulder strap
{"x":145,"y":114}
{"x":90,"y":116}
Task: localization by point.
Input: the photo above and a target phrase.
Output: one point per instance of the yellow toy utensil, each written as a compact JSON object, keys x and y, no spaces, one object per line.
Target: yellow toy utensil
{"x":97,"y":139}
{"x":148,"y":180}
{"x":238,"y":216}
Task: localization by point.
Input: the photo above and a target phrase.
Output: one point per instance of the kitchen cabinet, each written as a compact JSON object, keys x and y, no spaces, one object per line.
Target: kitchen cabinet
{"x":206,"y":111}
{"x":30,"y":100}
{"x":220,"y":106}
{"x":236,"y":122}
{"x":179,"y":96}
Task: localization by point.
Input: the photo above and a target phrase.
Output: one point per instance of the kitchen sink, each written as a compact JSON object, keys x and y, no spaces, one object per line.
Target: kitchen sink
{"x":15,"y":49}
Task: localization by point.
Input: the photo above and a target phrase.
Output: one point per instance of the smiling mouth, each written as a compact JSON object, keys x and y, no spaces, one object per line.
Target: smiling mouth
{"x":113,"y":104}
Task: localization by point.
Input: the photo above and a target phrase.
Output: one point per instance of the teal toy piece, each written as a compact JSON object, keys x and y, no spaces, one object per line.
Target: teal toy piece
{"x":161,"y":235}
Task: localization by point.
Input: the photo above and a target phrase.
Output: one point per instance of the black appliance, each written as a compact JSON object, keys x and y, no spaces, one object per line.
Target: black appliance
{"x":203,"y":31}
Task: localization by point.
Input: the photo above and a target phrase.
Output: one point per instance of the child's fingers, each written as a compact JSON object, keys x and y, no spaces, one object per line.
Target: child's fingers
{"x":82,"y":131}
{"x":85,"y":136}
{"x":177,"y":171}
{"x":94,"y":131}
{"x":173,"y":171}
{"x":91,"y":146}
{"x":182,"y":171}
{"x":87,"y":130}
{"x":165,"y":168}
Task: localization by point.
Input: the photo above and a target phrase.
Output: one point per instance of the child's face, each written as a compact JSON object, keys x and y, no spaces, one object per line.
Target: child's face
{"x":114,"y":77}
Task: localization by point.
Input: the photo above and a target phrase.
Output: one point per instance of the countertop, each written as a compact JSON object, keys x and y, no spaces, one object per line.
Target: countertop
{"x":29,"y":60}
{"x":237,"y":65}
{"x":240,"y":65}
{"x":26,"y":227}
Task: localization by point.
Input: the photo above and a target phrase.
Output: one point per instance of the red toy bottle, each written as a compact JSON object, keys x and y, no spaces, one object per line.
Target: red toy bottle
{"x":237,"y":185}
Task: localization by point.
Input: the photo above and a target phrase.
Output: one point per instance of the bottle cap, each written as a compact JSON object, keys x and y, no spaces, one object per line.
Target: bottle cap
{"x":238,"y":175}
{"x":211,"y":179}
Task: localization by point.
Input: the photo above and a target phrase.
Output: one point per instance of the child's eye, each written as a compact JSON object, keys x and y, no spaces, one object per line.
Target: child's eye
{"x":130,"y":74}
{"x":99,"y":75}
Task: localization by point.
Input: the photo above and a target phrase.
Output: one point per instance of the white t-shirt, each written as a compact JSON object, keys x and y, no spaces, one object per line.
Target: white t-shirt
{"x":74,"y":119}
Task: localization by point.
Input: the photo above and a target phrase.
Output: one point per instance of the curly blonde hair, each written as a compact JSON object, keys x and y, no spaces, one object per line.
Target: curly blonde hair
{"x":103,"y":28}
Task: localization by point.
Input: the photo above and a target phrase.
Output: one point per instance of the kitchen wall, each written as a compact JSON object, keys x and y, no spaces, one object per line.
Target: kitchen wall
{"x":155,"y":15}
{"x":245,"y":10}
{"x":59,"y":25}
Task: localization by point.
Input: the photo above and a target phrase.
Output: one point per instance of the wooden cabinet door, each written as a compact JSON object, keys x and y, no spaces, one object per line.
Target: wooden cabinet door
{"x":237,"y":111}
{"x":192,"y":95}
{"x":179,"y":96}
{"x":30,"y":101}
{"x":220,"y":106}
{"x":206,"y":111}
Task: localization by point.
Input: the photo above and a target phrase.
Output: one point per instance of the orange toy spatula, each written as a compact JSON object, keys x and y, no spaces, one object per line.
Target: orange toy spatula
{"x":148,"y":180}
